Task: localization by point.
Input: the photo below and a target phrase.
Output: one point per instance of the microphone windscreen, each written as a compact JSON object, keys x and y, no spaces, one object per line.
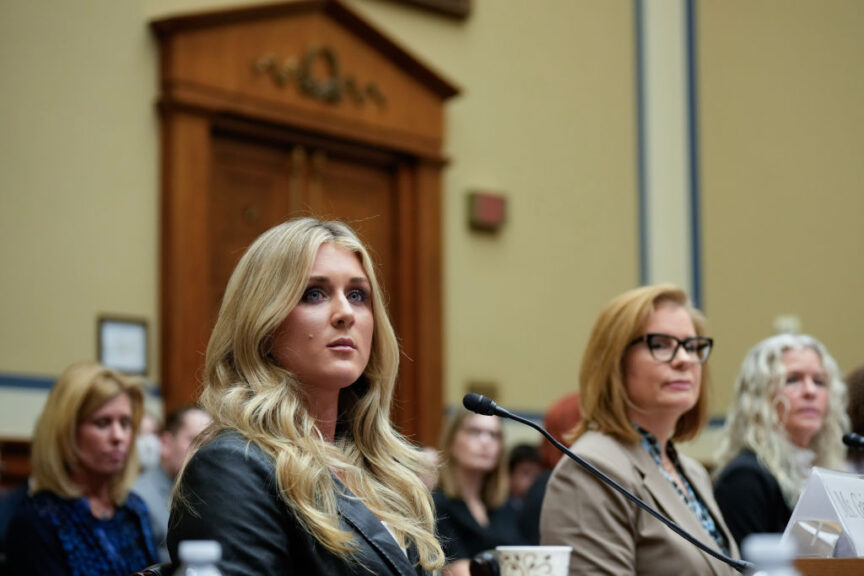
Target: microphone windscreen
{"x":853,"y":440}
{"x":479,"y":404}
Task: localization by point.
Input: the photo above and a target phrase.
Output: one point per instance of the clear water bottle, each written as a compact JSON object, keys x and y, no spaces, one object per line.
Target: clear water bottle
{"x":770,"y":555}
{"x":199,"y":558}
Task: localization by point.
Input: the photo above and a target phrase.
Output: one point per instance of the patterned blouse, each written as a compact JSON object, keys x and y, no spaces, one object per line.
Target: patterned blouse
{"x":693,"y":501}
{"x":53,"y":535}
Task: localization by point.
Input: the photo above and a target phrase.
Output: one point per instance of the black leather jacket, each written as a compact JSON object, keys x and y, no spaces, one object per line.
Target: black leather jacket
{"x":230,"y":485}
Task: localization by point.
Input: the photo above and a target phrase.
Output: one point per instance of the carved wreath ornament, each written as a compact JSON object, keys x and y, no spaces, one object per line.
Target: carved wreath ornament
{"x":331,"y":87}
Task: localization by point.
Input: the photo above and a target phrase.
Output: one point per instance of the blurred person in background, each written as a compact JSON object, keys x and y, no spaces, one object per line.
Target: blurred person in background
{"x":154,"y":485}
{"x":10,"y":500}
{"x":82,"y":517}
{"x":523,"y":468}
{"x":147,"y":443}
{"x":471,"y":501}
{"x":788,"y":415}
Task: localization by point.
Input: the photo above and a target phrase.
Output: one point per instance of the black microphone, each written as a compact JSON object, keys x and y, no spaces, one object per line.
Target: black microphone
{"x":482,"y":405}
{"x":852,"y":440}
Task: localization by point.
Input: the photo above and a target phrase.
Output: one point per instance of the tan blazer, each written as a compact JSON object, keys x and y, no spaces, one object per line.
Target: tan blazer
{"x":612,"y":535}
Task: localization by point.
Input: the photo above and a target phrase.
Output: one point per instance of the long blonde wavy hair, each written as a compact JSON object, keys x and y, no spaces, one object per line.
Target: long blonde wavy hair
{"x":753,"y":421}
{"x":82,"y":389}
{"x":247,"y":391}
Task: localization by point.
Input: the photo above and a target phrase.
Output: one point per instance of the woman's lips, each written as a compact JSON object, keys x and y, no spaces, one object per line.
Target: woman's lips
{"x":680,"y":385}
{"x":342,"y":344}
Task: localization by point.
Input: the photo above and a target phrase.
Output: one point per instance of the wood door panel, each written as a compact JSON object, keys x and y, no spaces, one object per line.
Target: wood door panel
{"x":253,"y":189}
{"x":365,"y":197}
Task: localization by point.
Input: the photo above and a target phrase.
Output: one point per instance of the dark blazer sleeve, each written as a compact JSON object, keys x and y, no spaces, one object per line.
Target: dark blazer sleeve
{"x":228,"y":494}
{"x":750,"y":499}
{"x":33,"y":546}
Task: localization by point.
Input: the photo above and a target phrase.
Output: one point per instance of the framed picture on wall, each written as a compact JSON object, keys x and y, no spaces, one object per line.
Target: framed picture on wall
{"x":122,"y":343}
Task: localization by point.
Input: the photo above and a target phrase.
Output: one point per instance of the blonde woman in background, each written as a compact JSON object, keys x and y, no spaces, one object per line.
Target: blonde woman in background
{"x":301,"y":471}
{"x":788,"y":415}
{"x":472,"y":505}
{"x":81,"y":517}
{"x":642,"y":387}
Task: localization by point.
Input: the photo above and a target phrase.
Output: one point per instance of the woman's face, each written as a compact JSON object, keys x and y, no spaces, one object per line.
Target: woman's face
{"x":664,"y":390}
{"x":477,"y":444}
{"x":326,"y":339}
{"x":806,"y":390}
{"x":104,"y":438}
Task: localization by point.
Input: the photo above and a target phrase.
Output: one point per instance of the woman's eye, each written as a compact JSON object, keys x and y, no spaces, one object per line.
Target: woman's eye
{"x":358,"y":296}
{"x":313,"y":295}
{"x":660,"y":344}
{"x":793,"y":379}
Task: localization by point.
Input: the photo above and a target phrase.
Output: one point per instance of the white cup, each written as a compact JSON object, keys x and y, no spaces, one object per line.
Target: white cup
{"x":534,"y":560}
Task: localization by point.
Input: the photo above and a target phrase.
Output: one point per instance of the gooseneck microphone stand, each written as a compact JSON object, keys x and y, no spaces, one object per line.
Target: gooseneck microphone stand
{"x":485,"y":406}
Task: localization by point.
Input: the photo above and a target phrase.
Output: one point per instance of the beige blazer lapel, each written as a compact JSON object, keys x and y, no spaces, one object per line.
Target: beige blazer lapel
{"x":668,"y":501}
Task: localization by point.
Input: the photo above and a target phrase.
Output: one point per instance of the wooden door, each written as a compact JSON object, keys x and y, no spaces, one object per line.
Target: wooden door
{"x":293,"y":109}
{"x":259,"y":184}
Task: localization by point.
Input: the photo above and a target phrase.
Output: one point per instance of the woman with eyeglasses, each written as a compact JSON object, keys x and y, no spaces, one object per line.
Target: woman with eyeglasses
{"x":473,"y":512}
{"x":642,"y":387}
{"x":788,"y":415}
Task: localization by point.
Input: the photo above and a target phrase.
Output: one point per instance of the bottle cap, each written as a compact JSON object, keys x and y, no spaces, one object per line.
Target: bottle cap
{"x":766,"y":550}
{"x":199,"y":551}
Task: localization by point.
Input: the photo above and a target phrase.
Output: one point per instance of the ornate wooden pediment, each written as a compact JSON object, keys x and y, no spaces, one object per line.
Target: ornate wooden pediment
{"x":309,"y":64}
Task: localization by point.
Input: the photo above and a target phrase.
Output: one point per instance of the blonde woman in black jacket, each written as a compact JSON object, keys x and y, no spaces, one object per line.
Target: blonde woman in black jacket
{"x":301,"y":471}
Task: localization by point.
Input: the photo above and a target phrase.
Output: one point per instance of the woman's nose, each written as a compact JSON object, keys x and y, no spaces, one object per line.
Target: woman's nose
{"x":682,"y":356}
{"x":809,"y":387}
{"x":118,"y":432}
{"x":343,"y":313}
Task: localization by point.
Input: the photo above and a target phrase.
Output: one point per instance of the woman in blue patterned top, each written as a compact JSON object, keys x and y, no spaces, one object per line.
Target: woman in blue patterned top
{"x":81,"y":517}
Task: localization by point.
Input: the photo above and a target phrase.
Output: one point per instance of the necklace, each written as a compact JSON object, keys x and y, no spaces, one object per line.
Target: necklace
{"x":101,"y":512}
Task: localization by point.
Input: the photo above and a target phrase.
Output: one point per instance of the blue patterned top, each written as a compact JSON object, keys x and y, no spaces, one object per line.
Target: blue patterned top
{"x":52,"y":535}
{"x":690,"y":497}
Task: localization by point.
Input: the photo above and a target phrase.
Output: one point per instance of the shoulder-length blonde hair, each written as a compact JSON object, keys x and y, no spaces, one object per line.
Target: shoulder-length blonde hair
{"x":753,"y":421}
{"x":81,"y":390}
{"x":602,"y":390}
{"x":495,"y":485}
{"x":246,"y":390}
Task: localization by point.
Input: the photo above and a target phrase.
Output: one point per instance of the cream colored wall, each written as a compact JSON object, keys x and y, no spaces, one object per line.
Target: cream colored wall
{"x":546,"y":117}
{"x":781,"y":92}
{"x":78,"y":207}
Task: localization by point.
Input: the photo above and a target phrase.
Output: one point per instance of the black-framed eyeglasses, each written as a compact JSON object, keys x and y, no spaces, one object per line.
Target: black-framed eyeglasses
{"x":664,"y":347}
